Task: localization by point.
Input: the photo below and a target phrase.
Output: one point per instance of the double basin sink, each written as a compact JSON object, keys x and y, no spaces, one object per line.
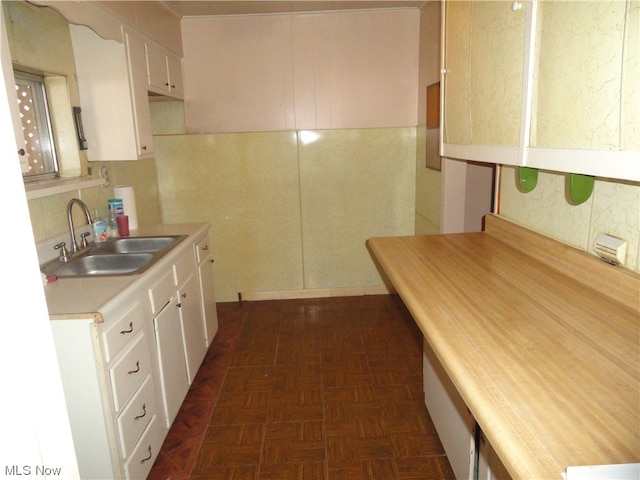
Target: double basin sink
{"x":117,"y":256}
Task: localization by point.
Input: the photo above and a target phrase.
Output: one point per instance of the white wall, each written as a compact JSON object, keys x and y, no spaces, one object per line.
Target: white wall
{"x":35,"y":426}
{"x":304,"y":71}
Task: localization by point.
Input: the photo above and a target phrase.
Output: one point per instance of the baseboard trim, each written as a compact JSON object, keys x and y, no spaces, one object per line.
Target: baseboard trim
{"x":315,"y":293}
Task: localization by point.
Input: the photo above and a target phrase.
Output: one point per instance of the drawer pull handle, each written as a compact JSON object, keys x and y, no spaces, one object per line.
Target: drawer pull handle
{"x":144,"y":413}
{"x":124,"y":332}
{"x":148,"y":458}
{"x":184,"y":295}
{"x":131,"y":372}
{"x":179,"y":305}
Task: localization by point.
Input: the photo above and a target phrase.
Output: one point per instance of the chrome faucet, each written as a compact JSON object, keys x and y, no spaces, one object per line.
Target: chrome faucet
{"x":74,"y":244}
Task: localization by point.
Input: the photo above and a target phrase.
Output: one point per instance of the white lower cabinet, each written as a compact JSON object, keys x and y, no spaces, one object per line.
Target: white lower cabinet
{"x":171,"y":359}
{"x":489,"y":465}
{"x":453,"y":421}
{"x":107,"y":375}
{"x":139,"y":464}
{"x":125,"y":375}
{"x":207,"y":290}
{"x":179,"y":331}
{"x":193,"y":333}
{"x":470,"y":454}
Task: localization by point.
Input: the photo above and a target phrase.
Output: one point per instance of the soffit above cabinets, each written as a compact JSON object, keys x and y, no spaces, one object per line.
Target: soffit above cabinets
{"x":186,"y":8}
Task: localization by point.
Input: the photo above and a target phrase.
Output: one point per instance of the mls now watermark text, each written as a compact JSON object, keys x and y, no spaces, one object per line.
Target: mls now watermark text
{"x":19,"y":470}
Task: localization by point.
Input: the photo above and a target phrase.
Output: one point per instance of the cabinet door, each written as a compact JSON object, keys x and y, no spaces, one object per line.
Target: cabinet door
{"x":140,"y":100}
{"x":489,"y":465}
{"x":580,"y":77}
{"x":585,"y":116}
{"x":453,"y":421}
{"x":209,"y":311}
{"x":484,"y":64}
{"x":156,"y":70}
{"x":113,"y":96}
{"x":174,"y":65}
{"x":173,"y":367}
{"x":192,"y":325}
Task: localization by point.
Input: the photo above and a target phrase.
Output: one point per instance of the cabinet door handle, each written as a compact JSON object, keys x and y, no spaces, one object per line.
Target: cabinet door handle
{"x":131,"y":372}
{"x":124,"y":332}
{"x":184,"y":295}
{"x":205,"y":248}
{"x":179,"y":305}
{"x":22,"y":152}
{"x":144,"y":413}
{"x":212,"y":260}
{"x":148,"y":458}
{"x":144,"y":147}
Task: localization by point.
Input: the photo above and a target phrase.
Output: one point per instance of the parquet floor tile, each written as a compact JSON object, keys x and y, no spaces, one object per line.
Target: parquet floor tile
{"x":310,"y":389}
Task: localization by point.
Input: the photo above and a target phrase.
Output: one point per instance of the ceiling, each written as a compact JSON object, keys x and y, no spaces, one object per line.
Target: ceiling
{"x":188,"y":8}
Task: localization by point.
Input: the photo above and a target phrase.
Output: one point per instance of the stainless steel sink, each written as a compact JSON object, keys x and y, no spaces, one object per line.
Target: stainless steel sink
{"x":118,"y":256}
{"x":89,"y":265}
{"x":135,"y":244}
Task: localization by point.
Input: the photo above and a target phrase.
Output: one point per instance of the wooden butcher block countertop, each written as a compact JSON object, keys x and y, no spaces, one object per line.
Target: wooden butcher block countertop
{"x":542,"y":341}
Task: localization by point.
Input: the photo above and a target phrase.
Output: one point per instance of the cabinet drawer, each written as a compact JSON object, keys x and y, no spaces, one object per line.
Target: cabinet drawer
{"x":161,"y":291}
{"x":203,"y":249}
{"x":129,"y":371}
{"x":141,"y":460}
{"x":183,"y":267}
{"x":123,"y":330}
{"x":136,"y":416}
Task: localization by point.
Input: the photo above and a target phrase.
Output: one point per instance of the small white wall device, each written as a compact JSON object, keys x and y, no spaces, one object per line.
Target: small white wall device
{"x":611,"y":249}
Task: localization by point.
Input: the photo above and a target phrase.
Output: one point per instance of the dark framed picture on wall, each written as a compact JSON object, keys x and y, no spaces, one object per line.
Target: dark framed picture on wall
{"x":433,"y":126}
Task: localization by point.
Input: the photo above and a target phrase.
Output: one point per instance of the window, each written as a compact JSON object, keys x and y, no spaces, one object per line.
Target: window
{"x":36,"y":127}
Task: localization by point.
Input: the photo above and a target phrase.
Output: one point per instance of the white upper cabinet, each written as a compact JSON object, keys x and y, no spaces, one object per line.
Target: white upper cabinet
{"x":164,"y":72}
{"x":549,"y":85}
{"x":113,"y":96}
{"x":137,"y":77}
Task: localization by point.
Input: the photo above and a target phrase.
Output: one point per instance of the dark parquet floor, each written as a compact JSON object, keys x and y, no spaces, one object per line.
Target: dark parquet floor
{"x":308,"y":389}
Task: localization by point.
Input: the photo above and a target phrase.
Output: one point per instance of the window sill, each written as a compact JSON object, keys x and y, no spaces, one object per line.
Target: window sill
{"x":47,"y":188}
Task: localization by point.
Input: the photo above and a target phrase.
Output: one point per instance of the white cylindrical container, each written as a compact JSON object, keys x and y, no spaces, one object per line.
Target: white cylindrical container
{"x":128,"y":196}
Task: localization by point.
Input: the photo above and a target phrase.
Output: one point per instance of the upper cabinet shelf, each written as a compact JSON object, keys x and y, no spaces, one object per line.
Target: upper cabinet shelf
{"x":549,"y":85}
{"x":164,"y":72}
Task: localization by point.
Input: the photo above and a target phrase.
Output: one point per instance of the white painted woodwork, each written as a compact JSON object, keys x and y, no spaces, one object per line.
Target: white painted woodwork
{"x":171,"y":360}
{"x":136,"y":416}
{"x":105,"y":334}
{"x":193,"y":326}
{"x":207,"y":290}
{"x":164,"y":72}
{"x":453,"y":421}
{"x":112,"y":86}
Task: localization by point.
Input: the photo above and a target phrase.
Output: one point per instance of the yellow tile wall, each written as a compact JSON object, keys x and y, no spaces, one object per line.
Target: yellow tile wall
{"x":613,"y":208}
{"x":428,"y":190}
{"x":49,"y":214}
{"x":288,"y":215}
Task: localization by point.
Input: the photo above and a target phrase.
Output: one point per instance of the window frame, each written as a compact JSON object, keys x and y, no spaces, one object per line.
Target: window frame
{"x":42,"y":116}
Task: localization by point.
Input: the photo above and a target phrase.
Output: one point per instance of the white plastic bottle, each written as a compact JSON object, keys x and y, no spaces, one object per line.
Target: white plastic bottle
{"x":99,"y":227}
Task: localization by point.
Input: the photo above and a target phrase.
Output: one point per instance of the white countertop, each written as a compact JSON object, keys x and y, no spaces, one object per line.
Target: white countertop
{"x":90,"y":297}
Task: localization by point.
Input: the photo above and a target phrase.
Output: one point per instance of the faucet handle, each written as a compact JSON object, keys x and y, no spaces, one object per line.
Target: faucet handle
{"x":84,"y":243}
{"x":64,"y":253}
